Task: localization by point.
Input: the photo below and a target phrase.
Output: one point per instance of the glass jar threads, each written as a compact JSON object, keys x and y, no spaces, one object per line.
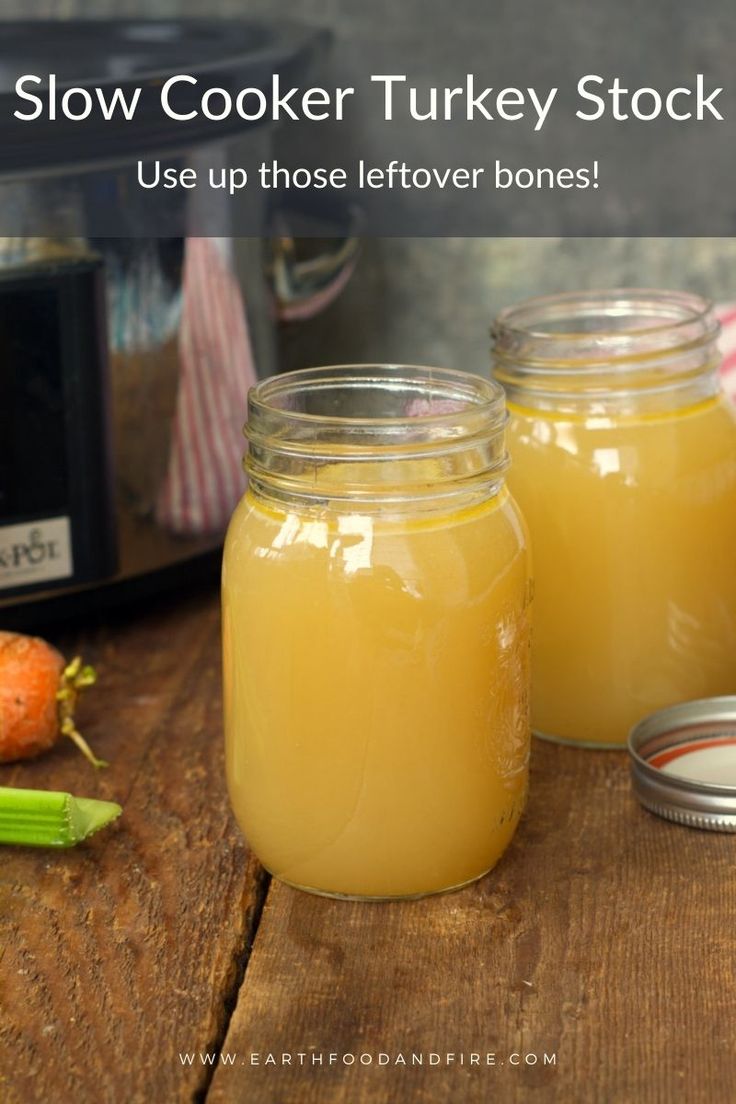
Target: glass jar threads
{"x":376,"y":632}
{"x":624,"y":464}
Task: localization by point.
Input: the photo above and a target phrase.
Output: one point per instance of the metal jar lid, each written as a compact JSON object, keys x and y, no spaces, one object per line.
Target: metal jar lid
{"x":683,"y":763}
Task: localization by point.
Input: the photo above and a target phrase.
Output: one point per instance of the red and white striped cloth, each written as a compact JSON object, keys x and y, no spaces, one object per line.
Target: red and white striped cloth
{"x":205,"y":477}
{"x":727,"y":316}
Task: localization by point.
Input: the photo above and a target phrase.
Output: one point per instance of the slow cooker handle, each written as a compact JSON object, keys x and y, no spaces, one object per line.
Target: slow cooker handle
{"x":304,"y":287}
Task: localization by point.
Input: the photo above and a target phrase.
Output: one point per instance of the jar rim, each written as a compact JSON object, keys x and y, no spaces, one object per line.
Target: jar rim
{"x":475,"y":393}
{"x":394,"y":432}
{"x":693,"y":309}
{"x":610,"y":349}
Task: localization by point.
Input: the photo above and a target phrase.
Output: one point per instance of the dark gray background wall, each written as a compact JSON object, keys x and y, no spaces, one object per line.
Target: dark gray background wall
{"x":432,"y":300}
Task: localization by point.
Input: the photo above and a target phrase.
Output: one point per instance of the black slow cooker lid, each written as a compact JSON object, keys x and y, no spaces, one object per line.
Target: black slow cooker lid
{"x":131,"y":53}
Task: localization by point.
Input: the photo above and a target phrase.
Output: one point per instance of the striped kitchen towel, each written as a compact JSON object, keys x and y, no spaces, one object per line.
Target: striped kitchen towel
{"x":205,"y":477}
{"x":727,"y":316}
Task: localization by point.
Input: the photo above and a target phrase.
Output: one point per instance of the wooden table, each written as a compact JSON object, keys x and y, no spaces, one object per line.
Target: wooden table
{"x":604,"y":939}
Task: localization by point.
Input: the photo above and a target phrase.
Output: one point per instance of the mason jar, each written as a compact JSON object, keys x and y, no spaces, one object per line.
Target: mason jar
{"x":376,"y":632}
{"x":624,"y":464}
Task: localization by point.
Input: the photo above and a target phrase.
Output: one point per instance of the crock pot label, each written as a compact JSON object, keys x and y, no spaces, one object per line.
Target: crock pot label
{"x":35,"y":552}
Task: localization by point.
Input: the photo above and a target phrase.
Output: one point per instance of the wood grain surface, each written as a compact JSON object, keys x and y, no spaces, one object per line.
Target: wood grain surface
{"x":605,"y":937}
{"x":124,"y":951}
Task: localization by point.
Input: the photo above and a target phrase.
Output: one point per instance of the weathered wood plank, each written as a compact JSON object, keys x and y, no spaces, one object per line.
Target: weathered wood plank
{"x":123,"y":952}
{"x":604,"y":937}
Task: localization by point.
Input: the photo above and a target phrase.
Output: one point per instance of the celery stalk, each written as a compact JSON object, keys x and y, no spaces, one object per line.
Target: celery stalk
{"x":45,"y":818}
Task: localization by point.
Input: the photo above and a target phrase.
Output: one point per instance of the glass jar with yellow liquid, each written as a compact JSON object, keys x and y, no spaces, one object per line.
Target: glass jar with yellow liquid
{"x":624,"y":463}
{"x":376,"y":632}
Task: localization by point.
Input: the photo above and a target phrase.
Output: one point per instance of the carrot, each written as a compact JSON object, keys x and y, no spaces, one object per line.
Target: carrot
{"x":38,"y":693}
